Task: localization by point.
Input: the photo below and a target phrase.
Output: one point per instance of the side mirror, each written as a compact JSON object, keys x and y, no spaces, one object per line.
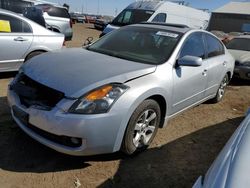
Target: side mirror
{"x":88,"y":41}
{"x":190,"y":61}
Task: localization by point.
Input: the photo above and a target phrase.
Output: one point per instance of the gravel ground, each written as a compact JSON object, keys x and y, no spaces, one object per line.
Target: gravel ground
{"x":181,"y":151}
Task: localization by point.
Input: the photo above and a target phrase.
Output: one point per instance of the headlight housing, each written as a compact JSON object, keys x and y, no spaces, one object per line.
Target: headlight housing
{"x":99,"y":100}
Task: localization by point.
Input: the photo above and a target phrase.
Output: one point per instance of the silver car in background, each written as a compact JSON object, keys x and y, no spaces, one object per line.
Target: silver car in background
{"x":239,"y":47}
{"x":22,"y":39}
{"x":117,"y":92}
{"x":232,"y":166}
{"x":57,"y":19}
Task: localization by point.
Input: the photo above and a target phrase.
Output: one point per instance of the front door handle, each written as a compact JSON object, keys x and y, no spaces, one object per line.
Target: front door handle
{"x":224,"y":63}
{"x":20,"y":39}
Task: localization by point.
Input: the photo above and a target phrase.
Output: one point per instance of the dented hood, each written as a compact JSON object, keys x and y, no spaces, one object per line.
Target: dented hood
{"x":77,"y":71}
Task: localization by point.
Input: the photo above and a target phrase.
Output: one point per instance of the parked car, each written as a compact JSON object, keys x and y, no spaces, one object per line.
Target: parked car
{"x":239,"y":47}
{"x":100,"y":24}
{"x":110,"y":96}
{"x":232,"y":166}
{"x":22,"y":39}
{"x":90,"y":19}
{"x":17,"y":6}
{"x":35,"y":15}
{"x":159,"y":11}
{"x":57,"y":19}
{"x":78,"y":18}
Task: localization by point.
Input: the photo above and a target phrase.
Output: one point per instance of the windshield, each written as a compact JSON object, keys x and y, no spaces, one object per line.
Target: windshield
{"x":239,"y":44}
{"x":139,"y":44}
{"x":132,"y":16}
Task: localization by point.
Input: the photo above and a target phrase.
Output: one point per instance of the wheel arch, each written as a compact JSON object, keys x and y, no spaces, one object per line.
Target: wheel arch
{"x":156,"y":94}
{"x":38,"y":50}
{"x":54,"y":28}
{"x":163,"y":106}
{"x":229,"y":74}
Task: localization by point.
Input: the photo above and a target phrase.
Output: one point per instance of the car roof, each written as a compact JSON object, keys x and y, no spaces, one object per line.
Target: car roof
{"x":172,"y":27}
{"x":8,"y":11}
{"x":49,"y":5}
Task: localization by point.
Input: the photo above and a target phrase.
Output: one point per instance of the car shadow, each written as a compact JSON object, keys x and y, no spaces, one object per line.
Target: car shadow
{"x":175,"y":164}
{"x":4,"y":75}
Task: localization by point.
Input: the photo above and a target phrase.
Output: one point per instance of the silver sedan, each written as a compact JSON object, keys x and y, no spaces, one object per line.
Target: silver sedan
{"x":239,"y":47}
{"x":21,"y":39}
{"x":232,"y":166}
{"x":117,"y":92}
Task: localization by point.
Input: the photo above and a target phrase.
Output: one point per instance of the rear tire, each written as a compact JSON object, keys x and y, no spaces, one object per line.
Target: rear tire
{"x":221,"y":91}
{"x":33,"y":54}
{"x":142,"y":127}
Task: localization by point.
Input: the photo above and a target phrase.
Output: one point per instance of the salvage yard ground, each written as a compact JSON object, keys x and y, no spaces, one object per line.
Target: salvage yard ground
{"x":180,"y":153}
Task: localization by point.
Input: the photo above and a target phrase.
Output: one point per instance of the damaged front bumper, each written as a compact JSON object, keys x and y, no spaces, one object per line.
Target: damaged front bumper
{"x":71,"y":134}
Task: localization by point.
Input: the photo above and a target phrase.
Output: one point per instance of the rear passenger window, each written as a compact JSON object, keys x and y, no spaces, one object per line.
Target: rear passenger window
{"x":193,"y":46}
{"x":58,"y":12}
{"x":161,"y":17}
{"x":10,"y":24}
{"x":214,"y":46}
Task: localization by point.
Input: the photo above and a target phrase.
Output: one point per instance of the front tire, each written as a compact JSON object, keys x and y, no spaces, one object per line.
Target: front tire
{"x":142,"y":127}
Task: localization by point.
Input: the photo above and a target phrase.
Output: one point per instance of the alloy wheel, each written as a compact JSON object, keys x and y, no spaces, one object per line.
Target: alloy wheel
{"x":144,"y":128}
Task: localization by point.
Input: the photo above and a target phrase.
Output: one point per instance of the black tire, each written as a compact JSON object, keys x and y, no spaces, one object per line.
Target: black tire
{"x":147,"y":109}
{"x":221,"y":91}
{"x":33,"y":54}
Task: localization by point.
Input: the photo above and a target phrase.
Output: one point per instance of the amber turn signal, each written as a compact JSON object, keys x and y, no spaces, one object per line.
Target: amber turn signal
{"x":99,"y":94}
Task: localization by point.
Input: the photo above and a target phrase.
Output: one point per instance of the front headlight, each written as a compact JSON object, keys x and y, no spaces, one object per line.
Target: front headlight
{"x":99,"y":100}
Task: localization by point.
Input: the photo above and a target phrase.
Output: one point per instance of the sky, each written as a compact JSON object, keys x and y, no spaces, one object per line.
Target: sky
{"x":112,"y":7}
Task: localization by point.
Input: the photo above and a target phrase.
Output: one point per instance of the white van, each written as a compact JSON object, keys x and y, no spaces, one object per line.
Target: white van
{"x":159,"y":11}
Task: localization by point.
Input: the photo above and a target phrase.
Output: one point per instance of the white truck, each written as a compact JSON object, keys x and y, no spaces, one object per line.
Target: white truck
{"x":159,"y":11}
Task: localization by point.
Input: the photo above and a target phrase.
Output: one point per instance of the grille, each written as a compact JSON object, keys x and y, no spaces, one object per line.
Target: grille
{"x":32,"y":93}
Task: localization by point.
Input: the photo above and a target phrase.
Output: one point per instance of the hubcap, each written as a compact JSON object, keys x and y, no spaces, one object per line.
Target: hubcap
{"x":144,"y":128}
{"x":223,"y":85}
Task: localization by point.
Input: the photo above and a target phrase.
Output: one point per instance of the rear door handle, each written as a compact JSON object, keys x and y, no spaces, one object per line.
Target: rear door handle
{"x":204,"y":73}
{"x":20,"y":39}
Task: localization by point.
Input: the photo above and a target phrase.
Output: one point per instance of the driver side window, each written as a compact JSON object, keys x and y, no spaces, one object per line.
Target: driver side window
{"x":193,"y":46}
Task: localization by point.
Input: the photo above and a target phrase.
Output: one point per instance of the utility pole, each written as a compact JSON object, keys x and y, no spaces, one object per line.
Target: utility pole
{"x":82,"y":6}
{"x":86,"y":7}
{"x":98,"y":7}
{"x":116,"y":11}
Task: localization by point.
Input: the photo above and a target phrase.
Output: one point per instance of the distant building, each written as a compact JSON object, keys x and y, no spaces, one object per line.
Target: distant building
{"x":232,"y":17}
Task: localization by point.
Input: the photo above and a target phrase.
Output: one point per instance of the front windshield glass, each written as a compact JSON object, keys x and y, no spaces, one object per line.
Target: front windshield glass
{"x":239,"y":44}
{"x":139,"y":44}
{"x":133,"y":16}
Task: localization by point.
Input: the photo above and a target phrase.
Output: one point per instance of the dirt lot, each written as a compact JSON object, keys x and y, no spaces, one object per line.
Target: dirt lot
{"x":180,"y":153}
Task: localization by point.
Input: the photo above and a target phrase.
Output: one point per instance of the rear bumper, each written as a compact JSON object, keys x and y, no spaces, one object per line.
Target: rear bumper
{"x":68,"y":38}
{"x":242,"y":72}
